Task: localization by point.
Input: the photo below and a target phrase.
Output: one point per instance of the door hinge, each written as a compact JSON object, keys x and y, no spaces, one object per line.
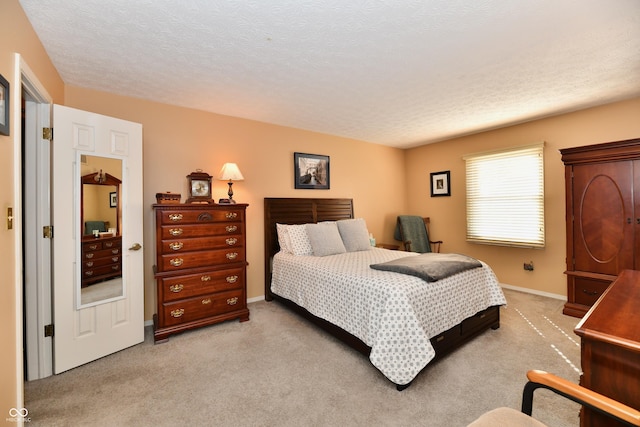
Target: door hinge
{"x":48,"y":330}
{"x":47,"y":231}
{"x":47,"y":133}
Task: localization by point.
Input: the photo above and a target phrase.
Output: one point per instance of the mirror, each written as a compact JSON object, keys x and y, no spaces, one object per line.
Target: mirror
{"x":100,"y":226}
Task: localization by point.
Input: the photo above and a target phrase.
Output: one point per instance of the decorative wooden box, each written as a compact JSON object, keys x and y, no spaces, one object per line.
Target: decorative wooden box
{"x":167,"y":198}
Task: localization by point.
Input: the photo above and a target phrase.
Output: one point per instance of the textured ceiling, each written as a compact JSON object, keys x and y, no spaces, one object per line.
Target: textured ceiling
{"x":394,"y":72}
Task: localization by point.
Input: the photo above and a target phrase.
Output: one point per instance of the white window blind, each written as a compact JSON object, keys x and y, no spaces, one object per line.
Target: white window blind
{"x":505,"y":197}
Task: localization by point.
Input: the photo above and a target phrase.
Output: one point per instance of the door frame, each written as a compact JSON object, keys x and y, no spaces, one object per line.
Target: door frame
{"x":36,"y":311}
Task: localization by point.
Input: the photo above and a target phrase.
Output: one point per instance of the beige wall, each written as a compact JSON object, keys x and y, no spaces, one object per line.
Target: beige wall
{"x":16,"y":36}
{"x":177,"y":141}
{"x":612,"y":122}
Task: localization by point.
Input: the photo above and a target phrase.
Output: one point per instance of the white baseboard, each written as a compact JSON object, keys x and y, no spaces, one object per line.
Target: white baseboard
{"x":533,"y":291}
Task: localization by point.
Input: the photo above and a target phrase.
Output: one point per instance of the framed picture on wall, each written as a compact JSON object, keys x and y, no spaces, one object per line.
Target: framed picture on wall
{"x":113,"y":199}
{"x":440,"y":184}
{"x":4,"y":106}
{"x":311,"y":171}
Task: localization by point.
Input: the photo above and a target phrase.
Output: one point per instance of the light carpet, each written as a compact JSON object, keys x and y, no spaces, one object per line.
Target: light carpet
{"x":279,"y":370}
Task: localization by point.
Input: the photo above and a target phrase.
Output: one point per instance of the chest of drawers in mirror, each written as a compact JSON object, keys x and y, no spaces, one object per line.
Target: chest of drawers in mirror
{"x":101,"y":259}
{"x":200,"y":267}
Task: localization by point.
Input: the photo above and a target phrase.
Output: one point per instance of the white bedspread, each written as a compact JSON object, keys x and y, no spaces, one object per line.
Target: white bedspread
{"x":392,"y":313}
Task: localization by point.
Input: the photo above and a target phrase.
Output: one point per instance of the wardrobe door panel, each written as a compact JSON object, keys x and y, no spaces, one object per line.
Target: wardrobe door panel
{"x":603,"y":217}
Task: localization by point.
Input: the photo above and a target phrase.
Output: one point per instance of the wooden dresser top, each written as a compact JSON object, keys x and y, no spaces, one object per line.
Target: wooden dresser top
{"x":615,"y":317}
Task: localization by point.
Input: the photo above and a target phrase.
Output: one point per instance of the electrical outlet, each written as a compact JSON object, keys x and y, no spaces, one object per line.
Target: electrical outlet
{"x":528,"y":266}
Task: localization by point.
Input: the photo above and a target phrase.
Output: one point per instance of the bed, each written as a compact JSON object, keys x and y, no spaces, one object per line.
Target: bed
{"x":400,"y":322}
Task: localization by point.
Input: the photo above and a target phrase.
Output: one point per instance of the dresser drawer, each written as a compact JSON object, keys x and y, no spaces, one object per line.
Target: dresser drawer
{"x":187,"y":286}
{"x":90,"y":273}
{"x":199,"y":244}
{"x":587,"y":291}
{"x":179,"y":216}
{"x":446,"y":339}
{"x":92,"y":246}
{"x":104,"y":253}
{"x":203,"y":306}
{"x":181,"y":261}
{"x":479,"y":321}
{"x":96,"y":245}
{"x":100,"y":262}
{"x":200,"y":230}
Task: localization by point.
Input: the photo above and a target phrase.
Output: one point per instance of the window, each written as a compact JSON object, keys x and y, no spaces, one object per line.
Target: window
{"x":505,"y":197}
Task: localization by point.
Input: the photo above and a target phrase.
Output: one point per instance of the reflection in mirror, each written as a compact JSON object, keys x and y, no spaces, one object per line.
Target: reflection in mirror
{"x":100,"y":228}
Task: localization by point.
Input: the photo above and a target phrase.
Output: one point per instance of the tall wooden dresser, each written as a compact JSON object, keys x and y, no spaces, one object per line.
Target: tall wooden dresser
{"x":610,"y":346}
{"x":603,"y":218}
{"x":200,"y":266}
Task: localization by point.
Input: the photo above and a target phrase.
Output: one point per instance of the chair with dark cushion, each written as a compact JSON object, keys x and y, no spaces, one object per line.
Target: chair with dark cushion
{"x":540,"y":379}
{"x":413,"y":232}
{"x":89,"y":226}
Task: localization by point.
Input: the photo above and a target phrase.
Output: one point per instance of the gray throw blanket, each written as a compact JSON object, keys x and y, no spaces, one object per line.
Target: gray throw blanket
{"x":412,"y":228}
{"x":430,"y":267}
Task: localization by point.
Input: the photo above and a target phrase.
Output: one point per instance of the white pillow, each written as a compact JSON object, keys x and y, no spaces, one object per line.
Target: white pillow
{"x":300,"y":244}
{"x":283,"y":238}
{"x":325,"y":239}
{"x":355,"y":235}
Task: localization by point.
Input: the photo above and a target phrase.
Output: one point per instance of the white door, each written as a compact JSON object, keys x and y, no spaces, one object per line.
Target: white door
{"x":86,"y":332}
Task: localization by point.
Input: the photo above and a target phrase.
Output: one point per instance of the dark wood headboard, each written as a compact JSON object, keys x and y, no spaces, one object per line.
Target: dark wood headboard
{"x":296,"y":211}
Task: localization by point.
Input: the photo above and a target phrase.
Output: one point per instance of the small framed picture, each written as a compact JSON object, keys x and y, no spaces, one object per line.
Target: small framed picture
{"x":4,"y":106}
{"x":113,"y":199}
{"x":311,"y":171}
{"x":440,"y":183}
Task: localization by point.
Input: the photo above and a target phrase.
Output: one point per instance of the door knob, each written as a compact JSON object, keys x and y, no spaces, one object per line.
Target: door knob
{"x":135,"y":247}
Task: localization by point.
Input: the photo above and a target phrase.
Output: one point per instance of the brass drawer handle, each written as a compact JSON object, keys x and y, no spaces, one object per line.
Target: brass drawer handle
{"x":232,"y":279}
{"x":177,"y":313}
{"x":115,"y":251}
{"x":231,"y":215}
{"x":115,"y":259}
{"x":206,"y":301}
{"x":115,"y":267}
{"x":175,"y":231}
{"x":89,"y":264}
{"x":231,"y":228}
{"x":89,"y":273}
{"x":176,"y":262}
{"x":440,"y":338}
{"x":175,"y":217}
{"x":176,"y":246}
{"x":232,"y":301}
{"x":89,"y":256}
{"x":108,"y":244}
{"x":205,"y":278}
{"x":93,"y":247}
{"x":231,"y":241}
{"x":592,"y":293}
{"x":176,"y":288}
{"x":232,"y":255}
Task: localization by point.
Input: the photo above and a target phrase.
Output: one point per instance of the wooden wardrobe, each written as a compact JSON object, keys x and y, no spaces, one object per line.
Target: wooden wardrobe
{"x":603,"y":218}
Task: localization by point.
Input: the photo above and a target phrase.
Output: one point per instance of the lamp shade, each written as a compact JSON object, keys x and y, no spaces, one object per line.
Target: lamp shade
{"x":230,"y":172}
